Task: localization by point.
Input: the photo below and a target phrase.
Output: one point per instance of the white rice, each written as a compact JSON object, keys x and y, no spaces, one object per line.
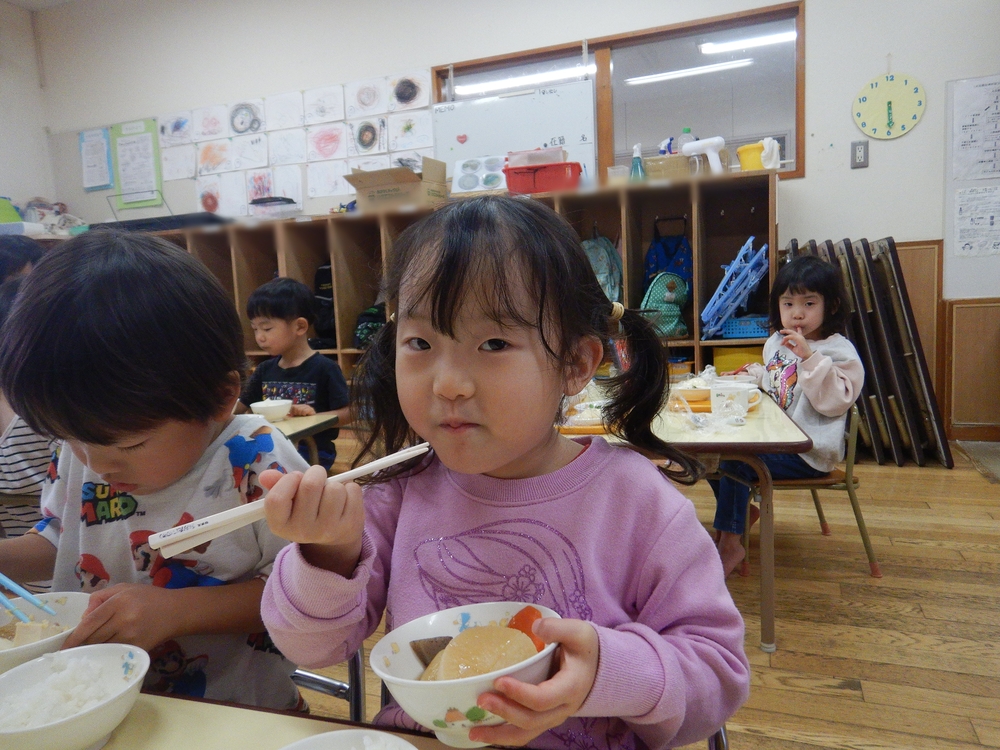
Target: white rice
{"x":76,"y":684}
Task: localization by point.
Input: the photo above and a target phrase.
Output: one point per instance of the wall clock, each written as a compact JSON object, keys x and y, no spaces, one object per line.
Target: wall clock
{"x":889,"y":106}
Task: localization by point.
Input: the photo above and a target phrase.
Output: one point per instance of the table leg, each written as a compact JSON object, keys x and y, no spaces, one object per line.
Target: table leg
{"x":767,"y":641}
{"x":313,"y":450}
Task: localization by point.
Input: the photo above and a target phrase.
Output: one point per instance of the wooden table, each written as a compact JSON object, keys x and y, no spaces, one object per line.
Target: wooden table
{"x":767,"y":430}
{"x":159,"y":722}
{"x":303,"y":428}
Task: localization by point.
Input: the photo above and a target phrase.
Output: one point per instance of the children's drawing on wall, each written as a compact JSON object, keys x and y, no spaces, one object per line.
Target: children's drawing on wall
{"x":284,"y":111}
{"x":249,"y":151}
{"x":288,"y":183}
{"x":207,"y":190}
{"x":369,"y":97}
{"x":410,"y":130}
{"x":175,"y":129}
{"x":412,"y":159}
{"x":214,"y":157}
{"x":409,"y":90}
{"x":246,"y":116}
{"x":178,"y":162}
{"x":325,"y":104}
{"x":260,"y":184}
{"x":326,"y":178}
{"x":209,"y":122}
{"x":326,"y":142}
{"x":369,"y":163}
{"x":223,"y":194}
{"x":286,"y":146}
{"x":368,"y":136}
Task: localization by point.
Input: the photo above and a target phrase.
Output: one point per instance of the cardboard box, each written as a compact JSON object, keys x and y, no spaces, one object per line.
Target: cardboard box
{"x":399,"y":186}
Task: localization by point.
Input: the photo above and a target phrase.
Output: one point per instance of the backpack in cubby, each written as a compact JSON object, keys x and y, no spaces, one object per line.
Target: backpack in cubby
{"x":663,"y":302}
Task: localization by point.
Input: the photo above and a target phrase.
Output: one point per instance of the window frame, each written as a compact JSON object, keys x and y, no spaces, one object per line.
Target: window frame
{"x":601,"y":48}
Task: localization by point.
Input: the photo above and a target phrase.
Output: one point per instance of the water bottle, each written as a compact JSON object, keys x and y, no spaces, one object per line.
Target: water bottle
{"x":638,"y":173}
{"x":684,"y":137}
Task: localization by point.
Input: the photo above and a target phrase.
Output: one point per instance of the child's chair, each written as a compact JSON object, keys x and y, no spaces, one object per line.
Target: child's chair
{"x":352,"y":691}
{"x":719,"y":740}
{"x":843,"y":480}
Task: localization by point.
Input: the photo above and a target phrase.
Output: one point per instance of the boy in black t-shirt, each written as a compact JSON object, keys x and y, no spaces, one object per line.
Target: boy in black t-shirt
{"x":280,"y":313}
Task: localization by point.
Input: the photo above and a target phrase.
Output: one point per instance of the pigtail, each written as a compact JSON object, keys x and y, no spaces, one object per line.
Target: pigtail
{"x":637,"y":394}
{"x":376,"y":404}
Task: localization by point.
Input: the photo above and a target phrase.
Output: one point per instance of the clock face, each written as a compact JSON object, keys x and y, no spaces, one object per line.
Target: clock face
{"x":889,"y":106}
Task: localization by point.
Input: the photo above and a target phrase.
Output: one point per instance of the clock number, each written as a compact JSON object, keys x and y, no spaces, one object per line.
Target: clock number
{"x":902,"y":127}
{"x":914,"y":117}
{"x":888,"y":132}
{"x":890,"y":78}
{"x":906,"y":81}
{"x":857,"y":114}
{"x":920,"y":102}
{"x":873,"y":84}
{"x":864,"y":124}
{"x":874,"y":131}
{"x":916,"y":89}
{"x":862,"y":99}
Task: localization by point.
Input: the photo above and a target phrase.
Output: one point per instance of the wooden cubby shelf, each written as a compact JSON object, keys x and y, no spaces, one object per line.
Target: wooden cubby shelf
{"x":716,"y":214}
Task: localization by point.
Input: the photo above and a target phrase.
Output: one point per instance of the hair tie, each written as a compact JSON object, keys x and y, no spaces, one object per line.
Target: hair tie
{"x":617,"y":310}
{"x":392,"y":318}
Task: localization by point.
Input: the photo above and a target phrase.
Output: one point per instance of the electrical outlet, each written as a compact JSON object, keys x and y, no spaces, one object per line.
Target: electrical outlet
{"x":859,"y":154}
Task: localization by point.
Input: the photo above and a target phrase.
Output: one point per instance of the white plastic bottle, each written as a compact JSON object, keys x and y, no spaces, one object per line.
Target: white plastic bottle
{"x":679,"y":141}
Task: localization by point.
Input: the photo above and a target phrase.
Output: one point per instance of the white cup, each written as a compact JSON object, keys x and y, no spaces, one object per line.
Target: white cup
{"x":742,"y":395}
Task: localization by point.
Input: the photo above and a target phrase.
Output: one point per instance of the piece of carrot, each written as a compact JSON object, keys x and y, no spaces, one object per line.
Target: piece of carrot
{"x":523,"y":620}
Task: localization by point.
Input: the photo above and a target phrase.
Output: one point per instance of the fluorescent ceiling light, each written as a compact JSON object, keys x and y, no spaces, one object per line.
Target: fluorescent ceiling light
{"x":685,"y":72}
{"x":711,"y":48}
{"x":527,"y":81}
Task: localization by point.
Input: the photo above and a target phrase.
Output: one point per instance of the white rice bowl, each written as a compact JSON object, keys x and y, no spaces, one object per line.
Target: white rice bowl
{"x":70,"y":700}
{"x":69,"y":607}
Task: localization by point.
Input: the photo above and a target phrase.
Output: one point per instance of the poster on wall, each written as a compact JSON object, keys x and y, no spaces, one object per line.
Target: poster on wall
{"x":95,"y":155}
{"x":977,"y":221}
{"x":409,"y":90}
{"x":976,"y":129}
{"x":136,"y":160}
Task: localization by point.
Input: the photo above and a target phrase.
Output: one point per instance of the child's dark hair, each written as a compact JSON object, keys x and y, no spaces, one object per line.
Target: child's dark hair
{"x":282,"y":299}
{"x":8,"y":291}
{"x":16,"y":251}
{"x":115,"y":333}
{"x":484,"y":250}
{"x":810,"y":273}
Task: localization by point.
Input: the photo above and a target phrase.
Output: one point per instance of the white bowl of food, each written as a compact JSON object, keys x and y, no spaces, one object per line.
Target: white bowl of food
{"x":440,"y":693}
{"x":352,"y":739}
{"x":272,"y":409}
{"x":21,"y":642}
{"x":72,"y":699}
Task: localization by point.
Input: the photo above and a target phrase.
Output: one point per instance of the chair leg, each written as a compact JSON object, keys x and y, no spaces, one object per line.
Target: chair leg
{"x":356,"y":675}
{"x":823,"y":525}
{"x":719,"y":740}
{"x":872,"y":562}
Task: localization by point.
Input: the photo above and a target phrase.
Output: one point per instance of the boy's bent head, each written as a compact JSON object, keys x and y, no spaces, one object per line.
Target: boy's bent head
{"x":282,"y":299}
{"x":116,"y":333}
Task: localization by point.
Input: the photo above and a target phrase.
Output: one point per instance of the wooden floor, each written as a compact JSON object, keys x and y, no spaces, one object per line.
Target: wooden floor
{"x":911,"y":660}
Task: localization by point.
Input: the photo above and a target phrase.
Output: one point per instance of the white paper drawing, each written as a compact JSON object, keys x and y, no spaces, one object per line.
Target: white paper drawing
{"x":214,"y":157}
{"x":327,"y":178}
{"x":249,"y":151}
{"x":174,"y":129}
{"x":367,"y":136}
{"x":409,"y":130}
{"x":223,"y":194}
{"x":178,"y":162}
{"x":369,"y":97}
{"x":327,"y":141}
{"x":369,"y":163}
{"x":284,"y":111}
{"x":324,"y":104}
{"x":260,"y":184}
{"x":207,"y":192}
{"x":410,"y":159}
{"x":247,"y":117}
{"x":286,"y":146}
{"x":288,"y":183}
{"x":410,"y":90}
{"x":210,"y":122}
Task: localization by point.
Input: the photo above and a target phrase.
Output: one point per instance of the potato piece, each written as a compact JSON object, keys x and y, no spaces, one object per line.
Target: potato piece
{"x":480,"y":650}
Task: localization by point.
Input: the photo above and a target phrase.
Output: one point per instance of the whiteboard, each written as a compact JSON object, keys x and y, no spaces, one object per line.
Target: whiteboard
{"x":560,"y":115}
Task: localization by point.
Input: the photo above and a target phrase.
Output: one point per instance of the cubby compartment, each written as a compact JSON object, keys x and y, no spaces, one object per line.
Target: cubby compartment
{"x":211,"y":246}
{"x":177,"y":237}
{"x":356,"y":251}
{"x":255,"y":262}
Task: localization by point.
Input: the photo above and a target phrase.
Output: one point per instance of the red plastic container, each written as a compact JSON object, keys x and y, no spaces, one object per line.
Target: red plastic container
{"x":543,"y":178}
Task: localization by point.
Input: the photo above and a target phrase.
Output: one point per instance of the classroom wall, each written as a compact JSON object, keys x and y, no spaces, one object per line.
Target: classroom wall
{"x":25,"y":166}
{"x":108,"y":61}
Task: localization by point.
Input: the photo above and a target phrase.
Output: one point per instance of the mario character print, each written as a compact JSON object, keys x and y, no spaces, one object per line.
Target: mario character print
{"x":171,"y":671}
{"x":173,"y":573}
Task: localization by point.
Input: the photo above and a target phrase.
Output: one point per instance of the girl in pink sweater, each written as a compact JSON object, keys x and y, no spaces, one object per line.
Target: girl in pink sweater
{"x":499,"y":316}
{"x":813,"y":373}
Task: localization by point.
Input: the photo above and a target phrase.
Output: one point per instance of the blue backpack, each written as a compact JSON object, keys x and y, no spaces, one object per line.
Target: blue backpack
{"x":671,"y":254}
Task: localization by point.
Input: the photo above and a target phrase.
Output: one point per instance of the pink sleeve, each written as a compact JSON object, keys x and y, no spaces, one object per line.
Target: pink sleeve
{"x":758,"y":371}
{"x":679,"y":671}
{"x":831,"y":387}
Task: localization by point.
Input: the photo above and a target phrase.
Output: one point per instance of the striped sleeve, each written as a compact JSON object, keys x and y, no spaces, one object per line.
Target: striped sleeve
{"x":24,"y":460}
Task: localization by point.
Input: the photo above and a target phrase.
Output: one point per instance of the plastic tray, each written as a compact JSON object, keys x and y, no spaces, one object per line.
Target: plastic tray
{"x":747,"y":327}
{"x":543,"y":178}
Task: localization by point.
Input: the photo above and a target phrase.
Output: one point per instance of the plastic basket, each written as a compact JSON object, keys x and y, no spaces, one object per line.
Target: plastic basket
{"x":747,"y":327}
{"x":543,"y":178}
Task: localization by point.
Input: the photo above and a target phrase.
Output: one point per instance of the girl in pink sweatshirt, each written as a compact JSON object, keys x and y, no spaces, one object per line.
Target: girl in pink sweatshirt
{"x":813,"y":373}
{"x":499,"y":316}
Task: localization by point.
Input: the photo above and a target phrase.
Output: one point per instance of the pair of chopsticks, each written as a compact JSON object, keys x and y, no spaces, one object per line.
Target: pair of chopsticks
{"x":22,"y":592}
{"x":190,"y":535}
